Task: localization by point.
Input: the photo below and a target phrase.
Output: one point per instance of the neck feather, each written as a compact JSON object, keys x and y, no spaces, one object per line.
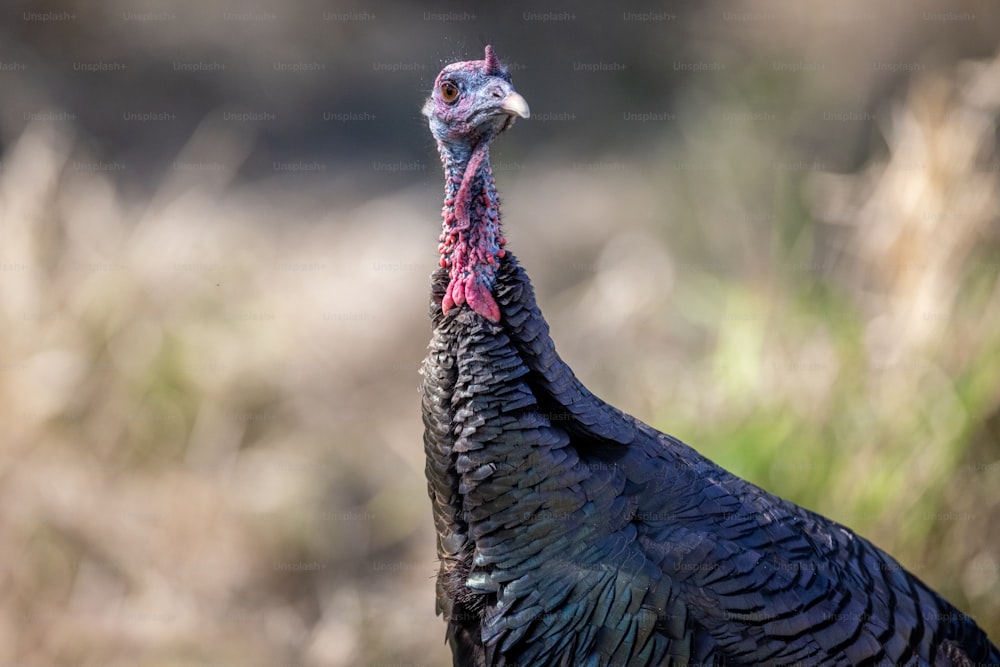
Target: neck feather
{"x":471,"y":240}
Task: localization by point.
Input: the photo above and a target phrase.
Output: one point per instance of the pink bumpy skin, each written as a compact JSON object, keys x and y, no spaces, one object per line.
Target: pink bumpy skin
{"x":472,"y":102}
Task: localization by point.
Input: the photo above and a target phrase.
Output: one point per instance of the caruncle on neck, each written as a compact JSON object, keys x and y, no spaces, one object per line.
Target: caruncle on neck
{"x":472,"y":103}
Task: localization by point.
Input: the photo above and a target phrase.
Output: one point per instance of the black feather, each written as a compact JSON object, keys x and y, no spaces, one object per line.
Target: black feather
{"x":571,"y":533}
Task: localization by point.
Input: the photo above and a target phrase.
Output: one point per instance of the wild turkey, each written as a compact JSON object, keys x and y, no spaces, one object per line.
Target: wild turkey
{"x":570,"y":533}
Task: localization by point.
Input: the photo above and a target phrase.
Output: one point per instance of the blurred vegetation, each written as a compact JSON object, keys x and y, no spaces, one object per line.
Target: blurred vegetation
{"x":209,"y":358}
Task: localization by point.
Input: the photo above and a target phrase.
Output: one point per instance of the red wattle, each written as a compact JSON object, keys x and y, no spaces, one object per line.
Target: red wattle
{"x":481,"y":300}
{"x":469,"y":241}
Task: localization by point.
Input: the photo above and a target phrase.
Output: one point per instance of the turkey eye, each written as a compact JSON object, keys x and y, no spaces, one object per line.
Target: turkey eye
{"x":449,"y":92}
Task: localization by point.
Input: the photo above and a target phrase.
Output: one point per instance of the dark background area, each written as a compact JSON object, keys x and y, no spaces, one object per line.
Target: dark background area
{"x":771,"y":229}
{"x":375,"y":59}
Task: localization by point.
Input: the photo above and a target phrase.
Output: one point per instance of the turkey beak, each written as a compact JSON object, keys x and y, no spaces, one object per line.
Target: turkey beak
{"x":515,"y":105}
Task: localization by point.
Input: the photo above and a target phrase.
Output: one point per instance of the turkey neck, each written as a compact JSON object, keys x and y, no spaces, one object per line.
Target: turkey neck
{"x":471,"y":241}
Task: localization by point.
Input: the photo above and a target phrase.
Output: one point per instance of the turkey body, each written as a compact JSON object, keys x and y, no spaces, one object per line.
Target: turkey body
{"x":573,"y":534}
{"x":570,"y":533}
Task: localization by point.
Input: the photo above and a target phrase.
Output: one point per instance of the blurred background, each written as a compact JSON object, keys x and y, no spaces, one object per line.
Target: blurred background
{"x":770,"y":229}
